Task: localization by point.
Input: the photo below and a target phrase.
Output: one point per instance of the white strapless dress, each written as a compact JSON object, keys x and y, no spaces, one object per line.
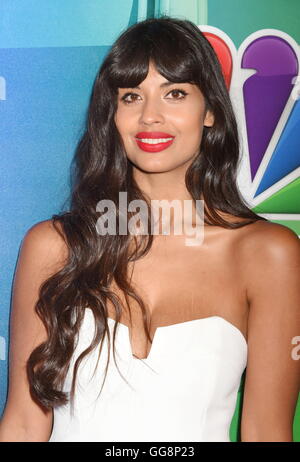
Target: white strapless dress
{"x":184,"y":391}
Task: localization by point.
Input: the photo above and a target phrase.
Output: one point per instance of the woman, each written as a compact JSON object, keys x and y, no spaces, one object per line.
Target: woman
{"x":86,"y":305}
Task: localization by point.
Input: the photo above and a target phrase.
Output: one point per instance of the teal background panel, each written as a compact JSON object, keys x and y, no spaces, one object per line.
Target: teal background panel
{"x":240,"y":18}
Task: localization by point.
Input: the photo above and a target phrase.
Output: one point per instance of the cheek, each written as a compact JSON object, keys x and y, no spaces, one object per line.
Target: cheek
{"x":190,"y":117}
{"x":117,"y":118}
{"x":190,"y":126}
{"x":120,"y":123}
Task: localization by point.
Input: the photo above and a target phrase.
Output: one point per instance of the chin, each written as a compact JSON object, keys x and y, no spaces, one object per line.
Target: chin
{"x":154,"y":167}
{"x":147,"y":169}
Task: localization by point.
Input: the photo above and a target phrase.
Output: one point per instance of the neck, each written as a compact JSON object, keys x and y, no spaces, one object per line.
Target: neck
{"x":169,"y":186}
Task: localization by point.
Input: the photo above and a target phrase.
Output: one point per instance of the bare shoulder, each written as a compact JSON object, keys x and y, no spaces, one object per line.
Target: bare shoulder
{"x":263,"y":248}
{"x":265,"y":239}
{"x":43,"y":252}
{"x":46,"y":242}
{"x":46,"y":232}
{"x":271,"y":272}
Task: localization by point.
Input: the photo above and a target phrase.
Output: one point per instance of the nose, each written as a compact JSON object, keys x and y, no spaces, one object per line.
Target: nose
{"x":151,"y":112}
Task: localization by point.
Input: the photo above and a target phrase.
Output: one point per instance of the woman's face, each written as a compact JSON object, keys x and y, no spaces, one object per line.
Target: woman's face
{"x":157,"y":111}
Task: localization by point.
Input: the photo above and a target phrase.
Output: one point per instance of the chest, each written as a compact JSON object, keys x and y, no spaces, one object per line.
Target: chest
{"x":178,"y":283}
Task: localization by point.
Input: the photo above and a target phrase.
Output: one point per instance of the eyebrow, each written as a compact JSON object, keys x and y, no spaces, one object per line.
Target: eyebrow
{"x":162,"y":85}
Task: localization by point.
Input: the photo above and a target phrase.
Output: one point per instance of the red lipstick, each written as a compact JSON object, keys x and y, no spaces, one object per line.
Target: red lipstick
{"x":153,"y":147}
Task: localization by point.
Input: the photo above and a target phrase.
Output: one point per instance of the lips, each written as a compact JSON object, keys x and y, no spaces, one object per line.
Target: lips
{"x":150,"y":147}
{"x":153,"y":135}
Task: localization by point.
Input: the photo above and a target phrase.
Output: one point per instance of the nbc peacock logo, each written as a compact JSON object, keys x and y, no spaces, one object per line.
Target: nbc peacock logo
{"x":263,"y":80}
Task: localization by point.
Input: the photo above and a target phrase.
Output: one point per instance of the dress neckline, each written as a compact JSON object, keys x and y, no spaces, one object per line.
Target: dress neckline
{"x":175,"y":326}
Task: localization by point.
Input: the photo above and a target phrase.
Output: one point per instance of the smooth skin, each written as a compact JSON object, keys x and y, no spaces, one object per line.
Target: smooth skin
{"x":42,"y":254}
{"x":271,"y":271}
{"x":272,"y":377}
{"x":267,"y":254}
{"x":154,"y":107}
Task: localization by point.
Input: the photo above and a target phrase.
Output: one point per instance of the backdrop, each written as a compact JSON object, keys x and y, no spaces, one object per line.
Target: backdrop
{"x":49,"y":55}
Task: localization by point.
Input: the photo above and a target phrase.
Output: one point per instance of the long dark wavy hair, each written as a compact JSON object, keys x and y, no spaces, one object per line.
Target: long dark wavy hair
{"x":101,"y":169}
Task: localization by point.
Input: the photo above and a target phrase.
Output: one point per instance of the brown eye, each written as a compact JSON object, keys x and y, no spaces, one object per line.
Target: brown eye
{"x":125,"y":97}
{"x":177,"y":90}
